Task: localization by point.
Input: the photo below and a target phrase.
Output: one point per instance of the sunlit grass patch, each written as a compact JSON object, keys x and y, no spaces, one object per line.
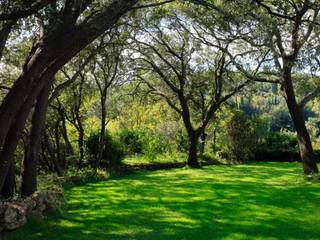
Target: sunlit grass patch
{"x":255,"y":201}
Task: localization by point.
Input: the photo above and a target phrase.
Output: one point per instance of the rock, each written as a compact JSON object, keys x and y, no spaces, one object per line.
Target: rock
{"x":2,"y":209}
{"x":14,"y":216}
{"x":30,"y":204}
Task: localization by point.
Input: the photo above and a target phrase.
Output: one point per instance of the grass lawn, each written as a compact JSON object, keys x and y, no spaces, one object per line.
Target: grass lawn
{"x":257,"y":201}
{"x":163,"y":158}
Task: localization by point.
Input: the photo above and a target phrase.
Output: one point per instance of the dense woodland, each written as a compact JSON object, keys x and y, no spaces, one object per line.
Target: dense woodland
{"x":85,"y":84}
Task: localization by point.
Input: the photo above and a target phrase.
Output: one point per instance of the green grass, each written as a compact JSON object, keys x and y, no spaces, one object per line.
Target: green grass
{"x":161,"y":158}
{"x":257,"y":201}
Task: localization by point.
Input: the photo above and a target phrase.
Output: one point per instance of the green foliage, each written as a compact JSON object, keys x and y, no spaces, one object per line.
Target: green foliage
{"x":154,"y":145}
{"x":279,"y":141}
{"x":112,"y":154}
{"x":239,"y":137}
{"x":132,"y":140}
{"x":182,"y":140}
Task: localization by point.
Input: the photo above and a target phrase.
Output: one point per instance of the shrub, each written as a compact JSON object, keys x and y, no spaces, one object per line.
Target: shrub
{"x":112,"y":154}
{"x":154,"y":145}
{"x":132,"y":140}
{"x":278,"y":141}
{"x":239,"y":137}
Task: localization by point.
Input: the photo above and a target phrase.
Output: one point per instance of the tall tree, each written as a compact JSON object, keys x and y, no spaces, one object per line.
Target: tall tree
{"x":105,"y":71}
{"x":177,"y":68}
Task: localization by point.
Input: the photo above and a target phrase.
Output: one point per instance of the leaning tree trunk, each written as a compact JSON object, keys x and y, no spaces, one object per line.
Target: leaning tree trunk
{"x":11,"y":142}
{"x":296,"y":112}
{"x":65,"y":136}
{"x":9,"y":183}
{"x":29,"y":174}
{"x":193,"y":150}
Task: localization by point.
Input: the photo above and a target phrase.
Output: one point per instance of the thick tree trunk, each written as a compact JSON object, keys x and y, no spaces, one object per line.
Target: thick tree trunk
{"x":296,"y":112}
{"x":11,"y":142}
{"x":193,"y":150}
{"x":203,"y":142}
{"x":9,"y":183}
{"x":29,"y":174}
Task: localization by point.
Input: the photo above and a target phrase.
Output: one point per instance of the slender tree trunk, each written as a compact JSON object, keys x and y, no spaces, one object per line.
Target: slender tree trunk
{"x":296,"y":112}
{"x":29,"y":174}
{"x":193,"y":150}
{"x":81,"y":144}
{"x":58,"y":157}
{"x":64,"y":132}
{"x":52,"y":154}
{"x":102,"y":132}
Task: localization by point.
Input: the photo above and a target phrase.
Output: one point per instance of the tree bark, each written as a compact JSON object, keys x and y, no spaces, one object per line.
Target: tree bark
{"x":296,"y":112}
{"x":193,"y":150}
{"x":29,"y":174}
{"x":9,"y":186}
{"x":203,"y":142}
{"x":102,"y":131}
{"x":64,"y":132}
{"x":12,"y":139}
{"x":81,"y":144}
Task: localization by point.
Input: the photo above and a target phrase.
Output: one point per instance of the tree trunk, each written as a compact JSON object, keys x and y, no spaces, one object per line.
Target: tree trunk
{"x":64,"y":132}
{"x":81,"y":144}
{"x":29,"y":174}
{"x":296,"y":112}
{"x":53,"y":158}
{"x":11,"y":142}
{"x":203,"y":142}
{"x":102,"y":132}
{"x":193,"y":150}
{"x":9,"y":186}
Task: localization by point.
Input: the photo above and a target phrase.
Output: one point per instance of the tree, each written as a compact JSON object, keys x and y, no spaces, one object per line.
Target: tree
{"x":105,"y":71}
{"x":286,"y":33}
{"x":172,"y":67}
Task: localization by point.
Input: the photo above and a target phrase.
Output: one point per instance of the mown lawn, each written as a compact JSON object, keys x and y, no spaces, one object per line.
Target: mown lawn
{"x":257,"y":201}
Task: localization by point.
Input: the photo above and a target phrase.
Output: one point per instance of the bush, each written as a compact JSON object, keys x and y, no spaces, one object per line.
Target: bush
{"x":154,"y":145}
{"x":239,"y":137}
{"x":132,"y":140}
{"x":279,"y":141}
{"x":112,"y":154}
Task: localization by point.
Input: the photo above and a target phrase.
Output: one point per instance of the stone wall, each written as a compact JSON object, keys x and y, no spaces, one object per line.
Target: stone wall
{"x":14,"y":215}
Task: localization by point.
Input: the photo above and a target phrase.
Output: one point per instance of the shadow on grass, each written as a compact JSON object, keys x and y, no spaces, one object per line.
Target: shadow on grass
{"x":257,"y":201}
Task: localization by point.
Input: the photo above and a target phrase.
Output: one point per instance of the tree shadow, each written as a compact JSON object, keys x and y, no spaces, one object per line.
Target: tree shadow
{"x":257,"y":201}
